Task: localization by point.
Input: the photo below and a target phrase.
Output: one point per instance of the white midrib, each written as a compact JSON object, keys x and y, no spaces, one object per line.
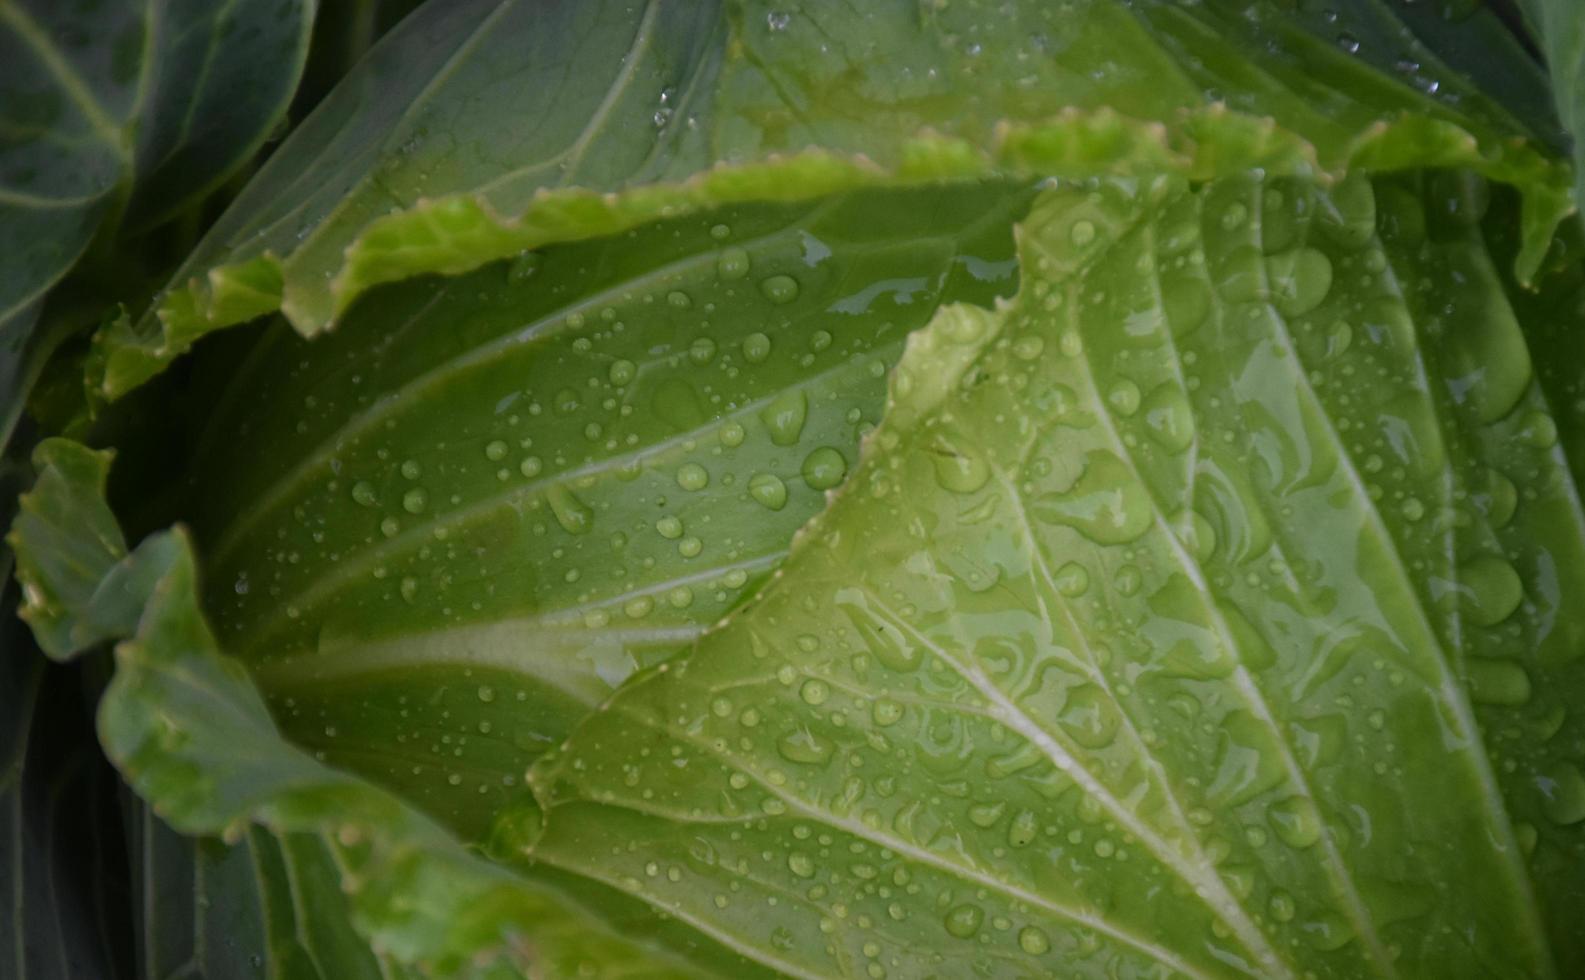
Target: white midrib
{"x":1244,"y":683}
{"x":1091,"y":668}
{"x":861,"y":831}
{"x":1208,"y":887}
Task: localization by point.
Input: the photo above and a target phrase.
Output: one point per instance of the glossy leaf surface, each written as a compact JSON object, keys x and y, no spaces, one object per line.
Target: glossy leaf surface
{"x":420,"y":162}
{"x":1162,"y":635}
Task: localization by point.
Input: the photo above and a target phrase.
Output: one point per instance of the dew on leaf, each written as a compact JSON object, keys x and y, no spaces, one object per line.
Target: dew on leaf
{"x":768,"y":490}
{"x":779,"y":289}
{"x":784,"y":417}
{"x":824,"y":468}
{"x":574,"y":516}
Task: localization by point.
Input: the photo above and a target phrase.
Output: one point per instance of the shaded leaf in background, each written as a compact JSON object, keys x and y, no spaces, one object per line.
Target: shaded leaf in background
{"x":476,"y":130}
{"x":175,"y":715}
{"x":114,"y":117}
{"x":1559,"y":26}
{"x":63,"y":865}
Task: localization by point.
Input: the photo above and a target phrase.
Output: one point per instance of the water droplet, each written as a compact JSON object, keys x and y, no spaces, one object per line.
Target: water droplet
{"x":678,"y":300}
{"x":805,"y":747}
{"x":960,"y":472}
{"x":692,"y":477}
{"x":364,"y":495}
{"x":824,"y":468}
{"x":1300,"y":279}
{"x":1072,"y":580}
{"x":756,"y":347}
{"x":495,"y":450}
{"x":733,"y":264}
{"x":1124,"y":398}
{"x":622,"y":372}
{"x":801,"y":864}
{"x":964,"y":921}
{"x":1033,"y":941}
{"x":486,"y":693}
{"x":1022,"y":830}
{"x":1538,"y":430}
{"x":690,"y":547}
{"x":1105,"y":504}
{"x":1168,"y":418}
{"x":814,"y":691}
{"x":1490,"y":589}
{"x":701,"y":351}
{"x":779,"y":289}
{"x":720,"y":232}
{"x":1347,"y":215}
{"x":769,"y":490}
{"x":886,"y":712}
{"x":574,"y":516}
{"x":669,"y":527}
{"x":1295,"y":822}
{"x":415,"y":500}
{"x":1082,"y":233}
{"x":1089,"y":717}
{"x":784,"y":417}
{"x":530,"y":466}
{"x":732,"y":434}
{"x":411,"y":469}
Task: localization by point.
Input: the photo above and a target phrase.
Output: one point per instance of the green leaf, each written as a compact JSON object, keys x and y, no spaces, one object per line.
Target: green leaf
{"x":62,"y":865}
{"x":551,"y":472}
{"x":418,"y":163}
{"x":115,"y":117}
{"x":1209,"y":616}
{"x":1560,"y":27}
{"x":191,"y":734}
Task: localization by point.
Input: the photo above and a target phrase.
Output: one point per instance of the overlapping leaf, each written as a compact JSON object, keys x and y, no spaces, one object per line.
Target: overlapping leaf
{"x":506,"y":136}
{"x":173,"y":721}
{"x":1166,"y":637}
{"x":472,"y":526}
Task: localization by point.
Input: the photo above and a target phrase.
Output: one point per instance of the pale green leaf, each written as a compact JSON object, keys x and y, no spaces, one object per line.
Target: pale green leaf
{"x":1212,"y":622}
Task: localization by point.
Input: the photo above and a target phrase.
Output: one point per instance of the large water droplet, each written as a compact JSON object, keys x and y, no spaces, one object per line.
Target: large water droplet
{"x":785,"y":415}
{"x":824,"y":468}
{"x":780,"y":289}
{"x":958,"y":471}
{"x":756,"y":347}
{"x":733,"y":264}
{"x":769,"y":490}
{"x":692,"y":477}
{"x":574,"y":516}
{"x":1490,"y":589}
{"x":1295,"y":822}
{"x":964,"y":920}
{"x":1105,"y":504}
{"x":1300,"y":279}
